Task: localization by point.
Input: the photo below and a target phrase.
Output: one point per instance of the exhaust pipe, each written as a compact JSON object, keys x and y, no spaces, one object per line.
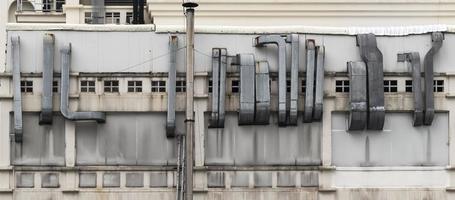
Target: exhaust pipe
{"x":99,"y":117}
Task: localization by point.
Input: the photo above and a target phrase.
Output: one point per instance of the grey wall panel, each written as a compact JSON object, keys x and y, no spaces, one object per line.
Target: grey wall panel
{"x":398,"y":144}
{"x":95,"y":53}
{"x":263,"y":145}
{"x":42,"y":145}
{"x":128,"y":139}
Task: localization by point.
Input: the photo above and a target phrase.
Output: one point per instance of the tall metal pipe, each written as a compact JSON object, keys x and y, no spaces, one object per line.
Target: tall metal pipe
{"x":189,"y":121}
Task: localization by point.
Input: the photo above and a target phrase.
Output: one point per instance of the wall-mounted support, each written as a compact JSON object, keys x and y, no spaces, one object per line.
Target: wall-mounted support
{"x":262,"y":93}
{"x":319,"y":87}
{"x":219,"y":65}
{"x":17,"y":105}
{"x":436,"y":39}
{"x":48,"y":77}
{"x":170,"y":121}
{"x":310,"y":71}
{"x":247,"y":88}
{"x":294,"y":95}
{"x":357,"y":95}
{"x":372,"y":57}
{"x":414,"y":59}
{"x":281,"y":43}
{"x":100,"y":117}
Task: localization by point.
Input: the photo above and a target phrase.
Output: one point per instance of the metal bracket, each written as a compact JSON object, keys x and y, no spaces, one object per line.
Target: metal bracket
{"x":372,"y":57}
{"x":170,"y":120}
{"x":357,"y":95}
{"x":219,"y":65}
{"x":436,"y":39}
{"x":414,"y":59}
{"x":281,"y":43}
{"x":247,"y":88}
{"x":17,"y":105}
{"x":48,"y":76}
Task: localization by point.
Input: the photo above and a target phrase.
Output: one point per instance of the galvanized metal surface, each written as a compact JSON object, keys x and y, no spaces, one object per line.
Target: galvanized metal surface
{"x":295,"y":56}
{"x":358,"y":108}
{"x":48,"y":79}
{"x":219,"y":65}
{"x":17,"y":101}
{"x":247,"y":88}
{"x":171,"y":89}
{"x":262,"y":91}
{"x":310,"y":72}
{"x":436,"y":40}
{"x":319,"y":87}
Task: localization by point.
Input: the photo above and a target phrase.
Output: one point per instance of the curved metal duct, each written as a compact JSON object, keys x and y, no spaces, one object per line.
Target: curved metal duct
{"x":310,"y":71}
{"x":247,"y":87}
{"x":357,"y":95}
{"x":319,"y":86}
{"x":436,"y":39}
{"x":219,"y":65}
{"x":262,"y":93}
{"x":170,"y":120}
{"x":372,"y":57}
{"x":281,"y":43}
{"x":295,"y":51}
{"x":100,"y":117}
{"x":48,"y":76}
{"x":17,"y":105}
{"x":414,"y":59}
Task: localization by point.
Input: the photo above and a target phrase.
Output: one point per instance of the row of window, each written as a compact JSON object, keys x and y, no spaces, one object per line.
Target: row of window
{"x":109,"y":18}
{"x":112,"y":86}
{"x":390,"y":86}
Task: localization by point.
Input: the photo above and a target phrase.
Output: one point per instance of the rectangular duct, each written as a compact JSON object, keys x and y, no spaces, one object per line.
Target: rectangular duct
{"x":319,"y":86}
{"x":295,"y":51}
{"x":48,"y":76}
{"x":247,"y":88}
{"x":219,"y":65}
{"x":171,"y":90}
{"x":17,"y":105}
{"x":262,"y":111}
{"x":98,"y":13}
{"x":310,"y":72}
{"x":436,"y":39}
{"x":357,"y":95}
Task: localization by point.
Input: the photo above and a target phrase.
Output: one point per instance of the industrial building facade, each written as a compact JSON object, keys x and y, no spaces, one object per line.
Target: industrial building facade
{"x":324,"y":109}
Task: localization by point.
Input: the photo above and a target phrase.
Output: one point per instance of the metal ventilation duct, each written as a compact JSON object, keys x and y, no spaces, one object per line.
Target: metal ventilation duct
{"x":295,"y":51}
{"x":98,"y":13}
{"x":219,"y":65}
{"x":171,"y":90}
{"x":48,"y":76}
{"x":436,"y":39}
{"x":17,"y":105}
{"x":319,"y":87}
{"x":247,"y":88}
{"x":281,"y":43}
{"x":414,"y":59}
{"x":372,"y":57}
{"x":357,"y":95}
{"x":262,"y":114}
{"x":310,"y":71}
{"x":100,"y":117}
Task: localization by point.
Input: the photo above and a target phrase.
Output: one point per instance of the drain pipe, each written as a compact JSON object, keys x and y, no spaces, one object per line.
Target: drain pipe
{"x":436,"y":39}
{"x":48,"y":73}
{"x":99,"y":117}
{"x":17,"y":105}
{"x":189,"y":121}
{"x":281,"y":43}
{"x":170,"y":121}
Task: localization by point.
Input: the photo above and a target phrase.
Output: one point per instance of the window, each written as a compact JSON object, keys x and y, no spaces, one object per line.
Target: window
{"x":341,"y":86}
{"x":438,"y":86}
{"x":47,"y":5}
{"x":180,"y":86}
{"x":55,"y":86}
{"x":87,"y":86}
{"x":59,"y":5}
{"x":111,"y":86}
{"x":129,"y":18}
{"x":88,"y":18}
{"x":27,"y":86}
{"x":303,"y":88}
{"x":288,"y":85}
{"x":210,"y":86}
{"x":158,"y":86}
{"x":390,"y":86}
{"x":134,"y":86}
{"x":408,"y":86}
{"x":235,"y":86}
{"x":112,"y":18}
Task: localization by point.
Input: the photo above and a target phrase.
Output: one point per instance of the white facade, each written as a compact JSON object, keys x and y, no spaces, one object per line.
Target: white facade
{"x":318,"y":160}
